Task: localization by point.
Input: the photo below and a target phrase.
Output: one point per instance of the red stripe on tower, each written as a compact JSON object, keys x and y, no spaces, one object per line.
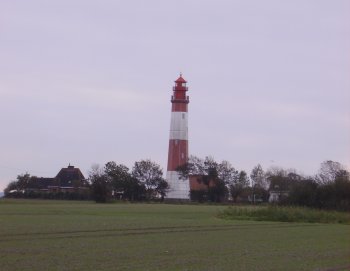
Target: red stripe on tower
{"x":178,"y":141}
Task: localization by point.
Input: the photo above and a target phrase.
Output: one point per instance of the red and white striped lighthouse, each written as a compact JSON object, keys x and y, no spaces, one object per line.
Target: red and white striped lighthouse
{"x":178,"y":141}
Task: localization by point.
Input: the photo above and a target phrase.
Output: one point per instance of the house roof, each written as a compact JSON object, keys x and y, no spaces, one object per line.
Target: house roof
{"x":41,"y":183}
{"x":69,"y":174}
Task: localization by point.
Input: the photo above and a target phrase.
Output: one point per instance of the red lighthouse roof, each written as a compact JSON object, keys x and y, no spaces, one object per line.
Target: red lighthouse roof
{"x":180,"y":79}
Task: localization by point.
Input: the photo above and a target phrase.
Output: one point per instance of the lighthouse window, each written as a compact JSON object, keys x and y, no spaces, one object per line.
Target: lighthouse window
{"x":183,"y":115}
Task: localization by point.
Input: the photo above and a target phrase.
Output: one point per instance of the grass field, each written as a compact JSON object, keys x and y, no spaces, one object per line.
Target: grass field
{"x":61,"y":235}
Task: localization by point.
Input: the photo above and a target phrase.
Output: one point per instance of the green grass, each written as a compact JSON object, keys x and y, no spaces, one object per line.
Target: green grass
{"x":61,"y":235}
{"x":285,"y":214}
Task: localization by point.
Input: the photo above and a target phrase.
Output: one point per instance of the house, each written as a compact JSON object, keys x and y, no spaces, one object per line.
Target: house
{"x":197,"y":184}
{"x":279,"y":188}
{"x":202,"y":189}
{"x":68,"y":180}
{"x":277,"y":195}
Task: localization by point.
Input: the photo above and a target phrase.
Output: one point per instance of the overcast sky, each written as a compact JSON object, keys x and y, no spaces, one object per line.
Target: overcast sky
{"x":86,"y":82}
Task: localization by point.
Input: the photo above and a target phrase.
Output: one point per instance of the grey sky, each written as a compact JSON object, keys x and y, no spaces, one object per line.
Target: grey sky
{"x":90,"y":81}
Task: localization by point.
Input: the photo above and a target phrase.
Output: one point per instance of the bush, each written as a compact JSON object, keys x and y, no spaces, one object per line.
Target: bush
{"x":285,"y":214}
{"x":199,"y":195}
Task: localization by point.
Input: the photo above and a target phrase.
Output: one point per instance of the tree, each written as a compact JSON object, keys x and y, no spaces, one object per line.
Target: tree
{"x":336,"y":194}
{"x":258,"y":178}
{"x":276,"y":171}
{"x":194,"y":166}
{"x":123,"y":183}
{"x":227,"y":173}
{"x":118,"y":174}
{"x":100,"y":184}
{"x":23,"y":181}
{"x":210,"y":174}
{"x":150,"y":175}
{"x":228,"y":176}
{"x":21,"y":185}
{"x":239,"y":184}
{"x":303,"y":192}
{"x":11,"y":187}
{"x":162,"y":188}
{"x":259,"y":184}
{"x":329,"y":171}
{"x":213,"y":175}
{"x":342,"y":190}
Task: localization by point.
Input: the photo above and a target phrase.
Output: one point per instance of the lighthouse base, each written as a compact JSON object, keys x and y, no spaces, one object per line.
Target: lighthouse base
{"x":179,"y":188}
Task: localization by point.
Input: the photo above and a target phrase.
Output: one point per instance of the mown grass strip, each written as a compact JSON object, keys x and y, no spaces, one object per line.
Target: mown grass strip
{"x":285,"y":214}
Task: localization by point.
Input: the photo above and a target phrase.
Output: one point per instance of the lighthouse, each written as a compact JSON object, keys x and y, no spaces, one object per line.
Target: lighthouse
{"x":178,"y":141}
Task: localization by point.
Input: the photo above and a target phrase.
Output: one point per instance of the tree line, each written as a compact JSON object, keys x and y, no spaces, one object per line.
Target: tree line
{"x":328,"y":189}
{"x":143,"y":182}
{"x":220,"y":182}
